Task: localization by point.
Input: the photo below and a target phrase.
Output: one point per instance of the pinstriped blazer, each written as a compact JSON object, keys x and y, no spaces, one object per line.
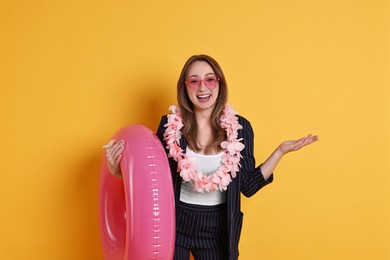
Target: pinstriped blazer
{"x":248,"y":181}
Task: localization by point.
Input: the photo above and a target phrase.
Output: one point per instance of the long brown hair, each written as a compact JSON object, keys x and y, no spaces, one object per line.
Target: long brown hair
{"x":190,"y":129}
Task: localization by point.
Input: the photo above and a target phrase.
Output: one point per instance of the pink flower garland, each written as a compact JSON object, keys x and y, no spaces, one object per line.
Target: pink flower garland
{"x":221,"y":178}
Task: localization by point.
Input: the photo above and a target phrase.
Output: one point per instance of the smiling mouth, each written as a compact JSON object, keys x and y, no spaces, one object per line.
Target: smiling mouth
{"x":203,"y":97}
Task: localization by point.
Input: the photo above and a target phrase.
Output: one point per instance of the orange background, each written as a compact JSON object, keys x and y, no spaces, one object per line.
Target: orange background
{"x":73,"y":72}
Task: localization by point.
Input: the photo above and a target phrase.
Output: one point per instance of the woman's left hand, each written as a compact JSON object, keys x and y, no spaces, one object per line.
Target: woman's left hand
{"x":295,"y":145}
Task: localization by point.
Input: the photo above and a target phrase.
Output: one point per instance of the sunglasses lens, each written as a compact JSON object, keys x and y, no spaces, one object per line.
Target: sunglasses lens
{"x":210,"y":82}
{"x":193,"y":83}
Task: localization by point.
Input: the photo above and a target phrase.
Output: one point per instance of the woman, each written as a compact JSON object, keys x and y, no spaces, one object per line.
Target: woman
{"x":210,"y":151}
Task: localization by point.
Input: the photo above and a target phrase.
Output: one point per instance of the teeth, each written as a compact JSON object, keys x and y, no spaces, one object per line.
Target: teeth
{"x":203,"y":96}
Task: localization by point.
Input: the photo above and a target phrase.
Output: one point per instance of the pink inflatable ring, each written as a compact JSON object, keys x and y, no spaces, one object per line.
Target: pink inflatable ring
{"x":136,"y":212}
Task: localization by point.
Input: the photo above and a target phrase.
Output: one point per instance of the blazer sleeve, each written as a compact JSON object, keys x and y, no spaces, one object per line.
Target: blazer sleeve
{"x":251,"y":178}
{"x":161,"y":130}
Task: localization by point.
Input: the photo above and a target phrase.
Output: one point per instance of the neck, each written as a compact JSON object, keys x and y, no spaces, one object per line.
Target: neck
{"x":203,"y":116}
{"x":204,"y":130}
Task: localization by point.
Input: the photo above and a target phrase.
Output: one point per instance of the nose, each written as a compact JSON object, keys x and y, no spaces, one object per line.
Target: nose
{"x":202,"y":85}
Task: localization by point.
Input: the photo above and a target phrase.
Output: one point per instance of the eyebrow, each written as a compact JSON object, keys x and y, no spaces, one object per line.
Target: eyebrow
{"x":208,"y":74}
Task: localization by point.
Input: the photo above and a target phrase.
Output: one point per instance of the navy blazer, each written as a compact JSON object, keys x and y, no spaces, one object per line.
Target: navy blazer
{"x":248,"y":181}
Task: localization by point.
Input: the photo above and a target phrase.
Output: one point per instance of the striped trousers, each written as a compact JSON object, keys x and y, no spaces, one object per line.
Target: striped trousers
{"x":201,"y":230}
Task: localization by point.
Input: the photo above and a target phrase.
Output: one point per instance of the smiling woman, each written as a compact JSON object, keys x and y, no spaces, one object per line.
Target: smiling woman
{"x":202,"y":131}
{"x":72,"y":71}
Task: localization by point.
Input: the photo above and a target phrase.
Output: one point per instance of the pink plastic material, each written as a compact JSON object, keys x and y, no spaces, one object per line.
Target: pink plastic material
{"x":136,"y":213}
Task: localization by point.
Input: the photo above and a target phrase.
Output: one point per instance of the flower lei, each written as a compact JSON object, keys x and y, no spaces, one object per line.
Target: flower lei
{"x":220,"y":179}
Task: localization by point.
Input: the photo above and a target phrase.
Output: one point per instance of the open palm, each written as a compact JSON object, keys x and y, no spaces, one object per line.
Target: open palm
{"x":295,"y":145}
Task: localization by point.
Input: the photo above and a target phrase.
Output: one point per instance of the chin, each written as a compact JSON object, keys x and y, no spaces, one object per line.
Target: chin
{"x":204,"y":106}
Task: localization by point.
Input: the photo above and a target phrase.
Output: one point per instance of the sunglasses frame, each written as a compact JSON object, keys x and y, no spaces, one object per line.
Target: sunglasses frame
{"x":189,"y":85}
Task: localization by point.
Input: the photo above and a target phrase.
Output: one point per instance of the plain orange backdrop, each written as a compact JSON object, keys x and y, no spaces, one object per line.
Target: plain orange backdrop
{"x":73,"y":72}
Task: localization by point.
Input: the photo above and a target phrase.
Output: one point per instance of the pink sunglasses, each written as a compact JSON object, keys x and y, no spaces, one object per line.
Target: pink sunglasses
{"x":209,"y":81}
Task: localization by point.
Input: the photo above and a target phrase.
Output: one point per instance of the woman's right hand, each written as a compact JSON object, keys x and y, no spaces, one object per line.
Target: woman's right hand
{"x":114,"y":155}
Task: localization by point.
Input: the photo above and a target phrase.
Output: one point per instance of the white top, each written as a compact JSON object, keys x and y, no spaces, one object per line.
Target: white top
{"x":207,"y":164}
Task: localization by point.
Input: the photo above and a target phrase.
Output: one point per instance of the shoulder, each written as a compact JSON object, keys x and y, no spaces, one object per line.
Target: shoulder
{"x":161,"y":126}
{"x":244,"y":122}
{"x":163,"y":120}
{"x":246,"y":132}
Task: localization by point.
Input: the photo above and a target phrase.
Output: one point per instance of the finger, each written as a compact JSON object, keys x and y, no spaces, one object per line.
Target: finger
{"x":109,"y":144}
{"x":118,"y":147}
{"x":111,"y":150}
{"x":309,"y":140}
{"x":300,"y":141}
{"x":118,"y":159}
{"x":110,"y":156}
{"x":115,"y":154}
{"x":313,"y":139}
{"x":110,"y":159}
{"x":299,"y":146}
